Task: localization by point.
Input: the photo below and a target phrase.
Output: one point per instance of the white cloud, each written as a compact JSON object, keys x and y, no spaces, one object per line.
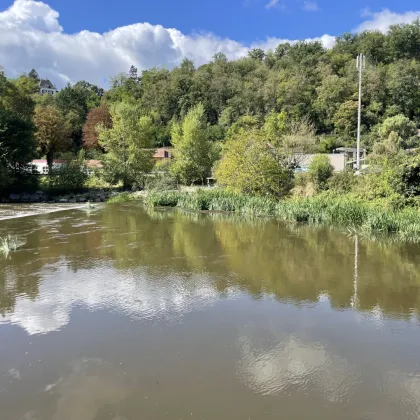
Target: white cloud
{"x":383,"y":20}
{"x":131,"y":293}
{"x":271,"y":43}
{"x":275,"y":4}
{"x":32,"y":37}
{"x":310,"y":6}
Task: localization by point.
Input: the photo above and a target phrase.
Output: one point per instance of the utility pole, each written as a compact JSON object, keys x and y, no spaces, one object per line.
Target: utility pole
{"x":360,"y":65}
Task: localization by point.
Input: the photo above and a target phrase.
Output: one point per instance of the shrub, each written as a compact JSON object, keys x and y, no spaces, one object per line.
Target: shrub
{"x":342,"y":182}
{"x":161,"y":182}
{"x":320,"y":171}
{"x":163,"y":198}
{"x":122,"y":198}
{"x":70,"y":177}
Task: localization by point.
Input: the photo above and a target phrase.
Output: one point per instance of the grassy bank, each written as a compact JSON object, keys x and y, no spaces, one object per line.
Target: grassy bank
{"x":370,"y":218}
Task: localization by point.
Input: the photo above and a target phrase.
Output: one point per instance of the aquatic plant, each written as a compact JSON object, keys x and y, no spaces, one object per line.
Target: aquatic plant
{"x":374,"y":218}
{"x":8,"y":244}
{"x":122,"y":198}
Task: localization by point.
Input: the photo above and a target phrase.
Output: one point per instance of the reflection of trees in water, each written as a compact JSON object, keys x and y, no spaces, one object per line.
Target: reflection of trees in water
{"x":257,"y":255}
{"x":53,"y":240}
{"x":301,"y":263}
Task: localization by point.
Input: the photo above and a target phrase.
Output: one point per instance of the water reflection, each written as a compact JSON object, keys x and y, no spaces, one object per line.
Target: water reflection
{"x":295,"y":366}
{"x":259,"y":257}
{"x":126,"y":310}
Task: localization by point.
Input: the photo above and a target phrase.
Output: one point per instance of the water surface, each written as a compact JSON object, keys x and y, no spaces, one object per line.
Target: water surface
{"x":123,"y":313}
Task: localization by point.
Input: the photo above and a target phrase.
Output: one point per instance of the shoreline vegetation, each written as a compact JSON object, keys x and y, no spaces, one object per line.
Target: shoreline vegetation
{"x":265,"y":128}
{"x":372,"y":219}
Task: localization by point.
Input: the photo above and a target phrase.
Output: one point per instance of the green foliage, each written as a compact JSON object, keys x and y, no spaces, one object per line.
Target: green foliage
{"x":17,"y":147}
{"x":320,"y":171}
{"x":128,"y":146}
{"x":163,"y":198}
{"x":250,"y":165}
{"x":342,"y":182}
{"x":406,"y":179}
{"x":373,"y":219}
{"x":122,"y":198}
{"x":53,"y":132}
{"x":193,"y":154}
{"x":69,"y":177}
{"x":395,"y":133}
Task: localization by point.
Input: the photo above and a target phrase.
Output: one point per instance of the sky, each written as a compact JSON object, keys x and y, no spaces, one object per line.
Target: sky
{"x":93,"y":40}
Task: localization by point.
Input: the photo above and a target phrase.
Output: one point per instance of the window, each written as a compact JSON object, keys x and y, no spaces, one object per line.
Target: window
{"x":45,"y":169}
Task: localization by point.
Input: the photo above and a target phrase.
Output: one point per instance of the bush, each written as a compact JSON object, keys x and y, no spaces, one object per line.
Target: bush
{"x":161,"y":182}
{"x":122,"y":198}
{"x":407,"y":176}
{"x":70,"y":177}
{"x":163,"y":198}
{"x":320,"y":171}
{"x":342,"y":182}
{"x":373,"y":218}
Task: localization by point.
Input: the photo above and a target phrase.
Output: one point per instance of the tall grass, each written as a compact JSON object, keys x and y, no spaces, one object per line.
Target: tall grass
{"x":122,"y":198}
{"x":370,"y":218}
{"x":213,"y":200}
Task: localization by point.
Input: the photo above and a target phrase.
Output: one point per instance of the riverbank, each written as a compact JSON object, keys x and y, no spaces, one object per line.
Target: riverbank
{"x":370,"y":218}
{"x":47,"y":197}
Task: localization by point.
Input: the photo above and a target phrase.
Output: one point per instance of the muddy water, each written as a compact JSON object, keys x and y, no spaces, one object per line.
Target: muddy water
{"x":121,"y":313}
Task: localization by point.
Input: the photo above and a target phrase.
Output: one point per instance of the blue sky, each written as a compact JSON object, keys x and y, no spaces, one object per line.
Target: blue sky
{"x":242,"y":20}
{"x":93,"y":40}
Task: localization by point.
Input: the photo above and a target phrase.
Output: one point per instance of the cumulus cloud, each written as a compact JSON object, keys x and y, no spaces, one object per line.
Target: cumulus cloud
{"x":383,"y":20}
{"x":32,"y":37}
{"x":131,"y":293}
{"x":294,"y":363}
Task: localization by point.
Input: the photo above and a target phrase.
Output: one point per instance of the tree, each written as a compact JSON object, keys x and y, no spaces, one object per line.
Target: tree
{"x":133,"y":75}
{"x":394,"y":134}
{"x":405,"y":129}
{"x":17,"y":146}
{"x":320,"y":171}
{"x":33,"y":74}
{"x":403,"y":79}
{"x":256,"y":54}
{"x":251,"y":165}
{"x":345,"y":119}
{"x":15,"y":98}
{"x":128,"y":145}
{"x":53,"y":132}
{"x":193,"y":154}
{"x":71,"y":176}
{"x":95,"y":117}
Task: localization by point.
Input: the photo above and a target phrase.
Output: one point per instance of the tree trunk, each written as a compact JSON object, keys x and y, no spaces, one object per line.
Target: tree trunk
{"x":50,"y":160}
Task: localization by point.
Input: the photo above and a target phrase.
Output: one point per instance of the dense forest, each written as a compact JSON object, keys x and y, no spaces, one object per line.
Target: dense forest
{"x":299,"y":89}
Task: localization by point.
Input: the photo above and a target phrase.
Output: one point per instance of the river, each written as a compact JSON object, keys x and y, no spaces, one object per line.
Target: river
{"x":123,"y":313}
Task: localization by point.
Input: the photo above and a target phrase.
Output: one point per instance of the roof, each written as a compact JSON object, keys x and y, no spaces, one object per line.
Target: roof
{"x":349,"y":149}
{"x":46,"y":84}
{"x":92,"y":163}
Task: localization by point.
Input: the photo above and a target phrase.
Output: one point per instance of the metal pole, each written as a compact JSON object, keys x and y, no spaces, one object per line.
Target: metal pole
{"x":360,"y":67}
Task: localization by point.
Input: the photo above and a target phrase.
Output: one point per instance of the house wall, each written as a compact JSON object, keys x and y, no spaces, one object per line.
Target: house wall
{"x":44,"y":91}
{"x":337,"y":160}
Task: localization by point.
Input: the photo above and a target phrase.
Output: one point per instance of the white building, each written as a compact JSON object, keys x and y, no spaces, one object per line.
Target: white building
{"x":40,"y":166}
{"x":46,"y":87}
{"x":337,"y":160}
